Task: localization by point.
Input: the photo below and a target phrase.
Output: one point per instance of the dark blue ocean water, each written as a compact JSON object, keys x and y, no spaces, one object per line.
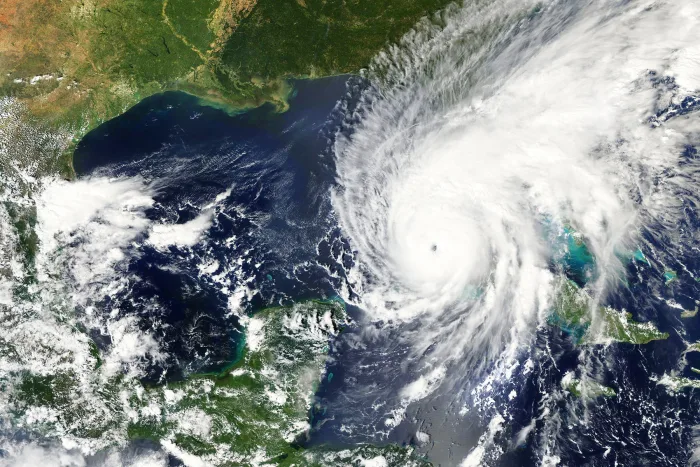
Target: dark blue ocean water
{"x":273,"y":221}
{"x":277,"y":222}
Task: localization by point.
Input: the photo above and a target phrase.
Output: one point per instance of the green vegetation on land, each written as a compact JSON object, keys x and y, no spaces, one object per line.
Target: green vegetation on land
{"x":678,"y":383}
{"x":254,"y":412}
{"x":77,"y":63}
{"x":262,"y":403}
{"x":571,"y":310}
{"x":573,"y":313}
{"x":69,"y":66}
{"x":23,"y":220}
{"x":589,"y":388}
{"x":318,"y":37}
{"x":620,"y":327}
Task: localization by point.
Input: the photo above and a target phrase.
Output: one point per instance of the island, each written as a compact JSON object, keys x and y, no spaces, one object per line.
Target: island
{"x":573,"y":313}
{"x":585,"y":388}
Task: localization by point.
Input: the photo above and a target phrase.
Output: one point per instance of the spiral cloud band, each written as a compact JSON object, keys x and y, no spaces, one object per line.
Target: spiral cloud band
{"x":507,"y":120}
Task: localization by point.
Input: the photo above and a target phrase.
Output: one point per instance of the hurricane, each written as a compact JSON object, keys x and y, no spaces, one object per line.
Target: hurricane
{"x":488,"y":130}
{"x":479,"y":250}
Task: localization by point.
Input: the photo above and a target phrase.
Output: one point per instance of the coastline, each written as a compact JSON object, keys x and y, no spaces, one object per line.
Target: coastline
{"x":280,"y":101}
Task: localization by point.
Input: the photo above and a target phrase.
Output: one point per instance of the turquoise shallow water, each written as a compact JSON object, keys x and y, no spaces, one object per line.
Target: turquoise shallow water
{"x":273,"y":171}
{"x":280,"y":169}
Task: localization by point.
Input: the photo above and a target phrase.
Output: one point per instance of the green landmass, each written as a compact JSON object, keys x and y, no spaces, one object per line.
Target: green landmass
{"x":23,"y":221}
{"x":586,"y":388}
{"x":70,"y":65}
{"x":572,"y":312}
{"x":74,"y":64}
{"x":689,"y":313}
{"x":678,"y":383}
{"x":620,"y":327}
{"x":256,"y":411}
{"x":260,"y":404}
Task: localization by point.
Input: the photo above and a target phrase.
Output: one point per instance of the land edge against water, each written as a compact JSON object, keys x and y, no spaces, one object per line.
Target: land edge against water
{"x":296,"y":451}
{"x":242,"y":349}
{"x":279,"y":101}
